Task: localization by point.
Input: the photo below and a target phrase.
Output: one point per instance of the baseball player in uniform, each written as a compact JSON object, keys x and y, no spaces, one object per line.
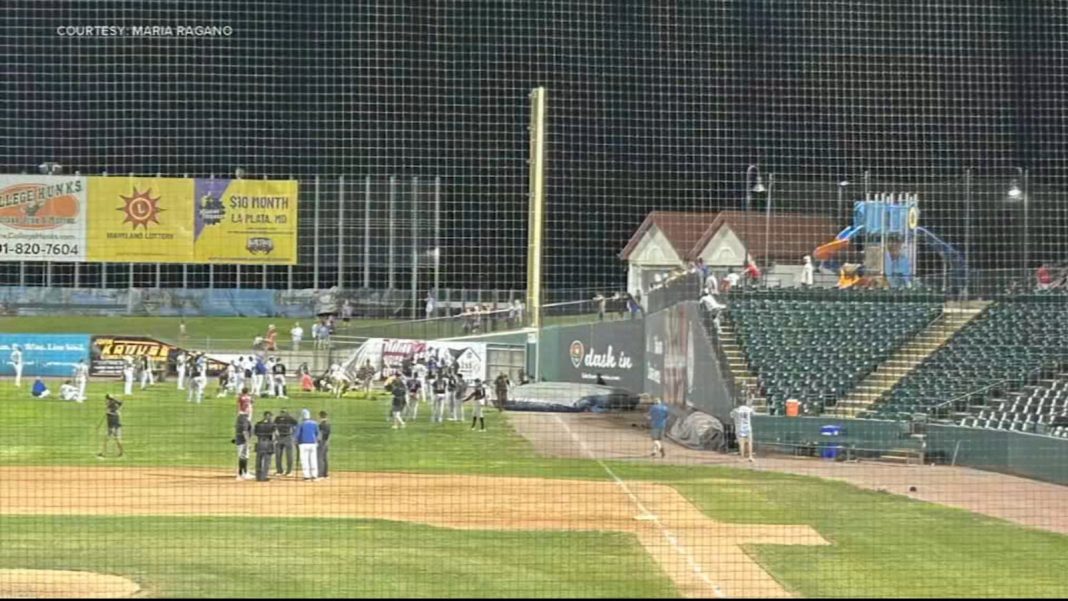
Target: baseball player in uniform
{"x":308,"y":443}
{"x":278,"y":379}
{"x":198,"y":383}
{"x":127,"y":375}
{"x":16,"y":362}
{"x":242,"y":438}
{"x":147,"y":378}
{"x":180,"y":364}
{"x":441,"y":391}
{"x":400,"y":398}
{"x":478,"y":395}
{"x":81,"y":379}
{"x":457,"y":407}
{"x":324,"y":445}
{"x":68,"y":392}
{"x":113,"y":407}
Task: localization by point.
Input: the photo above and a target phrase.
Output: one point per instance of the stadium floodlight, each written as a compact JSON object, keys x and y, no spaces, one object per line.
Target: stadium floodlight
{"x":239,"y":173}
{"x":753,"y":184}
{"x":841,"y":196}
{"x":1015,"y":191}
{"x":50,"y":168}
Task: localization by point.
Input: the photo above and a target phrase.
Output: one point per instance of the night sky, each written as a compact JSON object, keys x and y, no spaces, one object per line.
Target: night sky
{"x":653,"y":105}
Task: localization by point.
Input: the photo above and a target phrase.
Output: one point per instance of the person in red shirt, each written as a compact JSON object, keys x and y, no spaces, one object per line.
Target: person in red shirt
{"x":244,"y":403}
{"x":1044,"y":278}
{"x":272,"y":338}
{"x":751,"y":269}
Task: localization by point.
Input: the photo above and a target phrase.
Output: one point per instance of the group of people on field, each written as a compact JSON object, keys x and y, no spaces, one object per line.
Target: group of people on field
{"x":279,"y":436}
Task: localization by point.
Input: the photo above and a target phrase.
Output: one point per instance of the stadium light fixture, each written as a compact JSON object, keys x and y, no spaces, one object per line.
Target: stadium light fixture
{"x":753,"y":184}
{"x":50,"y":168}
{"x":239,"y":173}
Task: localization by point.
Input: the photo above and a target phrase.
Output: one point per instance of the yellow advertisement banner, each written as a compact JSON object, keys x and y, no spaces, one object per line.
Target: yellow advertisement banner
{"x":246,"y":221}
{"x":140,"y":220}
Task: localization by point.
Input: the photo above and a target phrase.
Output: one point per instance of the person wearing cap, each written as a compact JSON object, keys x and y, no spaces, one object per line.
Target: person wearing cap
{"x":478,"y":395}
{"x":265,"y":437}
{"x":308,"y":442}
{"x":658,"y":417}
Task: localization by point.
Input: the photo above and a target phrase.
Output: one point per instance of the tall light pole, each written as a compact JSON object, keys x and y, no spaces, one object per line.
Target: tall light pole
{"x":967,"y":232}
{"x":839,"y":214}
{"x":752,"y":184}
{"x":1018,"y":192}
{"x":767,"y":225}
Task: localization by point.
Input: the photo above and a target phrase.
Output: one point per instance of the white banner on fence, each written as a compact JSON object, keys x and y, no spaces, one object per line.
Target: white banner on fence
{"x":390,"y":353}
{"x":42,"y":218}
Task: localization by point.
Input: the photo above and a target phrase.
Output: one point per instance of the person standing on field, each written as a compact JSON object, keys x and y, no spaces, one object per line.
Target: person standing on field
{"x":264,"y":432}
{"x":112,"y":410}
{"x":147,"y":378}
{"x":284,"y":426}
{"x":272,"y":338}
{"x":658,"y":416}
{"x":296,"y":334}
{"x":244,"y":403}
{"x":743,"y":429}
{"x":400,"y":397}
{"x":242,"y":437}
{"x":308,"y":442}
{"x":478,"y":395}
{"x":127,"y":375}
{"x":441,"y":391}
{"x":324,"y":445}
{"x":457,"y":407}
{"x":16,"y":362}
{"x":501,"y":386}
{"x":180,"y":364}
{"x":197,"y":384}
{"x":81,"y":379}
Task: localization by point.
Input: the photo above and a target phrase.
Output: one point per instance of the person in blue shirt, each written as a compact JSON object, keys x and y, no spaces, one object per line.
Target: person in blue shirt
{"x":39,"y":389}
{"x":658,"y":416}
{"x":308,"y":443}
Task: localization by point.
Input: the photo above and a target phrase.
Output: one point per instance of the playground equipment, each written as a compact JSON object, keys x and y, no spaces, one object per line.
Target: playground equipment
{"x":888,"y":225}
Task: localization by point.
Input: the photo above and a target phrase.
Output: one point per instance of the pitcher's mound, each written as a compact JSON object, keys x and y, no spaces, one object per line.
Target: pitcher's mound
{"x":52,"y":584}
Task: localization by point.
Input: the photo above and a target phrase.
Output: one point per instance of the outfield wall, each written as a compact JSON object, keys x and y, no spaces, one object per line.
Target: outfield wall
{"x":1017,"y":453}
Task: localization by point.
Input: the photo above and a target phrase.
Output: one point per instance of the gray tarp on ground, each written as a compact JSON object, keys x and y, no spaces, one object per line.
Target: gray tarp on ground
{"x":698,"y":431}
{"x":569,"y":398}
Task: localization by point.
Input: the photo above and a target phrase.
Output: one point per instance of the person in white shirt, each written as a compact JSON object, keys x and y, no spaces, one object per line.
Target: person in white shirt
{"x":81,"y":379}
{"x":743,"y":429}
{"x":712,"y":283}
{"x":16,"y":362}
{"x":807,"y":272}
{"x":68,"y":392}
{"x":431,"y":305}
{"x":127,"y":375}
{"x":180,"y":364}
{"x":147,"y":377}
{"x":297,"y":334}
{"x":710,"y":303}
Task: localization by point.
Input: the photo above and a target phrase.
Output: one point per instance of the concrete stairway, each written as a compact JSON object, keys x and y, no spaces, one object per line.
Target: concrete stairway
{"x":905,"y":359}
{"x":739,"y":366}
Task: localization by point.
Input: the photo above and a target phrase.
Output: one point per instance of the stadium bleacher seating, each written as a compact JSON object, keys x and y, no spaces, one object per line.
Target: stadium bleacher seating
{"x":817,"y":345}
{"x":1004,"y":349}
{"x":1041,"y":408}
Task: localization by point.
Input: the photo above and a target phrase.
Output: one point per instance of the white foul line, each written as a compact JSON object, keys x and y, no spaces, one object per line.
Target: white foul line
{"x":646,"y":514}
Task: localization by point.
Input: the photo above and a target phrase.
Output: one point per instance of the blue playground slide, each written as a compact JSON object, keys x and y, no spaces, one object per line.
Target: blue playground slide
{"x":953,"y":258}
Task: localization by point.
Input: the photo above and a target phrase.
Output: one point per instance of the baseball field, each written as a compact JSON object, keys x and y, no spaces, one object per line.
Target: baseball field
{"x":441,"y":510}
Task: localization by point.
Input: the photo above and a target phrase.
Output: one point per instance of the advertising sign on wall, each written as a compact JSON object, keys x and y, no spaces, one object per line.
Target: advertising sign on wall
{"x":246,"y":221}
{"x":42,"y":218}
{"x":141,"y":219}
{"x":614,"y":350}
{"x":47,"y":355}
{"x":385,"y":353}
{"x":108,"y":353}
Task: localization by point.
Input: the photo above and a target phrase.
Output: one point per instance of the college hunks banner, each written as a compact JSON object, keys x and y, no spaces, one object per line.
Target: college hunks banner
{"x":42,"y":218}
{"x":246,"y":221}
{"x":140,"y":220}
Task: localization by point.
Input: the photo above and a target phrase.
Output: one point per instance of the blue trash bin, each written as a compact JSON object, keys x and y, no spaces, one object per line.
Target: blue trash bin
{"x":829,"y":450}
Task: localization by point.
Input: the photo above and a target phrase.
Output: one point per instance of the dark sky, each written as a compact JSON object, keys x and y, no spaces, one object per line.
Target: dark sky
{"x":653,"y":105}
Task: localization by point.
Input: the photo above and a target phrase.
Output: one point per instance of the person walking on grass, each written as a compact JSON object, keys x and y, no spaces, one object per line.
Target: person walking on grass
{"x":308,"y":441}
{"x":111,"y":414}
{"x":242,"y":437}
{"x":400,"y":399}
{"x":81,"y":379}
{"x":658,"y":416}
{"x":127,"y":375}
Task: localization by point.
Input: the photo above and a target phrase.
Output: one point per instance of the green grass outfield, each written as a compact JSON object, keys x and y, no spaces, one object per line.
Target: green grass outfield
{"x":882,"y":544}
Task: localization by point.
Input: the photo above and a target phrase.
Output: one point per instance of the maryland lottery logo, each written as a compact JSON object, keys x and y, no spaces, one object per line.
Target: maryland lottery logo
{"x":141,"y":208}
{"x":576,"y":351}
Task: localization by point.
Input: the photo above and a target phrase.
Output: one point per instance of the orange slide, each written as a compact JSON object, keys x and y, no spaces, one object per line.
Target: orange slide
{"x":830,"y":249}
